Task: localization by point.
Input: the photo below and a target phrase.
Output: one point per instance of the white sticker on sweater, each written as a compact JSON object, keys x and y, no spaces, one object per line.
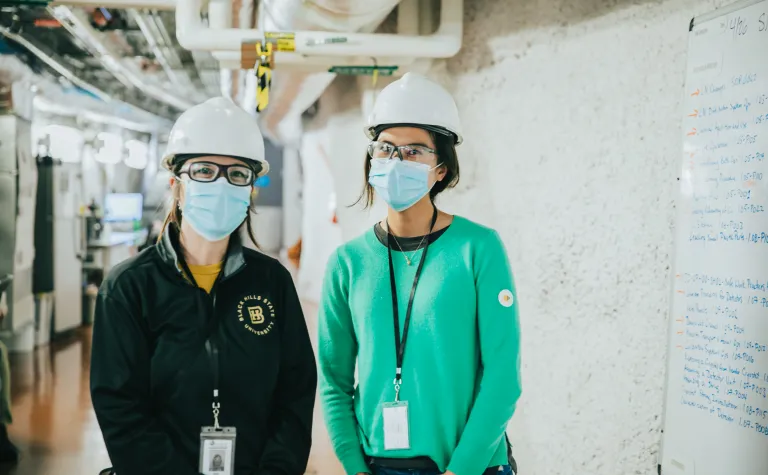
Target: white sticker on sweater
{"x":506,"y":298}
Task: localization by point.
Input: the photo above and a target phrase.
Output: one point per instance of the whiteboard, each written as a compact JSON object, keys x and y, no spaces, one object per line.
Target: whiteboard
{"x":716,"y":404}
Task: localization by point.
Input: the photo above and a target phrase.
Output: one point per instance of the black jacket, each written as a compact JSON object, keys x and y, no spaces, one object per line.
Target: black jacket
{"x":151,"y":377}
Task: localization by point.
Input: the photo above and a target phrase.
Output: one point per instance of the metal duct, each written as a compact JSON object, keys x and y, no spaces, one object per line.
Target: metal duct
{"x":50,"y":98}
{"x":76,"y":24}
{"x":55,"y":65}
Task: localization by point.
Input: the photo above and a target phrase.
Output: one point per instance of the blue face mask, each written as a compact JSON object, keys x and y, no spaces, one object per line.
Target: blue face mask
{"x":215,"y":209}
{"x":400,"y":183}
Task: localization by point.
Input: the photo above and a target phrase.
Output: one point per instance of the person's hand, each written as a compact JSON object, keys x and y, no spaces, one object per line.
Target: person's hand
{"x":449,"y":473}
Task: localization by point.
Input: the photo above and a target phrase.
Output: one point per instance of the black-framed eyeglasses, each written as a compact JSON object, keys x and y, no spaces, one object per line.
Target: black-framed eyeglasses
{"x":206,"y":172}
{"x":385,"y":150}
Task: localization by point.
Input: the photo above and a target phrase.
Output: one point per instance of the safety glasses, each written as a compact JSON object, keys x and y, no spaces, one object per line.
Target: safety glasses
{"x":411,"y":153}
{"x":206,"y":172}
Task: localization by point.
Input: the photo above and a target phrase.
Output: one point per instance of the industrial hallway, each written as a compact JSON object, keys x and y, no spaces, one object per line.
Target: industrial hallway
{"x":55,"y":427}
{"x":588,"y":177}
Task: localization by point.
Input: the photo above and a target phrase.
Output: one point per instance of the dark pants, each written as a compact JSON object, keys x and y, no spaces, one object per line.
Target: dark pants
{"x":377,"y":470}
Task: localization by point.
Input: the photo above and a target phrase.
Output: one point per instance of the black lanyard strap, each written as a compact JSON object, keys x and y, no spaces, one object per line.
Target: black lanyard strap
{"x":212,"y":348}
{"x":211,"y":345}
{"x":400,"y":344}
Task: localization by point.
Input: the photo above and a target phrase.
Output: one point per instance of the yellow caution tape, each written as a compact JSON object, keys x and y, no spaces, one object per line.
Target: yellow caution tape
{"x":263,"y":75}
{"x":264,"y":81}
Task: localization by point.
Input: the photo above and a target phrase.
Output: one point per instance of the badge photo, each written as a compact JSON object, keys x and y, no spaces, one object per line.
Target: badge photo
{"x":217,"y":451}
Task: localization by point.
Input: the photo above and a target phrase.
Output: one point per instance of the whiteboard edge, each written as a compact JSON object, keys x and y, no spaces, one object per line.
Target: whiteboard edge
{"x":739,"y":5}
{"x":722,"y":11}
{"x":672,"y":287}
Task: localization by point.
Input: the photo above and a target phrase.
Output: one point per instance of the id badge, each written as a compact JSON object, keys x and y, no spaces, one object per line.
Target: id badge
{"x":396,"y":429}
{"x":217,"y":450}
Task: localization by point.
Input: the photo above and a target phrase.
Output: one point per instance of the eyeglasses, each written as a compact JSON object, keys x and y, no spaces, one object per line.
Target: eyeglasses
{"x":413,"y":153}
{"x":206,"y":172}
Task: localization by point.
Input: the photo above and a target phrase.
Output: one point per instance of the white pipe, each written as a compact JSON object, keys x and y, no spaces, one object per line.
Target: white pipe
{"x":231,"y":60}
{"x":324,"y":15}
{"x":444,"y":43}
{"x":408,"y":17}
{"x":148,"y":4}
{"x":83,"y":30}
{"x":44,"y":105}
{"x":219,"y":14}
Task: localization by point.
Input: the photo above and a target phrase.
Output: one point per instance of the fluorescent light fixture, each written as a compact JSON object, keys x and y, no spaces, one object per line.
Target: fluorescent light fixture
{"x":62,"y":142}
{"x":138,"y":154}
{"x":111,"y":150}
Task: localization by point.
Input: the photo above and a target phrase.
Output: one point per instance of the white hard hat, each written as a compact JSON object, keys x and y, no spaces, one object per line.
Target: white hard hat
{"x":416,"y":101}
{"x":218,"y":126}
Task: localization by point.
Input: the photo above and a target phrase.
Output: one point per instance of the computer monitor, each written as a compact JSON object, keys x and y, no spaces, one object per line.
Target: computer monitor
{"x":122,"y":207}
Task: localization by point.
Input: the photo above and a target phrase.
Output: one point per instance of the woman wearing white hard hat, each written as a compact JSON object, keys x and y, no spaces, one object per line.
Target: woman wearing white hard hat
{"x":200,"y":348}
{"x":425,"y":305}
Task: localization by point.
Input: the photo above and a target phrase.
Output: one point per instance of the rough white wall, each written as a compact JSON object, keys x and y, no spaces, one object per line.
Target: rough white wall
{"x":572,"y":126}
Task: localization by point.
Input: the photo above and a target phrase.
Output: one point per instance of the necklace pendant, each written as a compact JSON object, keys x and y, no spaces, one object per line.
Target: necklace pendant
{"x":407,"y":261}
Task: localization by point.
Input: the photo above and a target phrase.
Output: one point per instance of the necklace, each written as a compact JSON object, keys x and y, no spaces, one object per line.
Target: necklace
{"x":408,"y":260}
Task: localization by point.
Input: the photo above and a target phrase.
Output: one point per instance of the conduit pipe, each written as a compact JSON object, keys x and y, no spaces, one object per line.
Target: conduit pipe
{"x":84,"y":31}
{"x":152,"y":42}
{"x":50,"y":107}
{"x":192,"y":34}
{"x":49,"y":98}
{"x":55,"y":65}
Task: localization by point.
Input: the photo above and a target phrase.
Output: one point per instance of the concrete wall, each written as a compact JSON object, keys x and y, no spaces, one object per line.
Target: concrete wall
{"x":572,"y":124}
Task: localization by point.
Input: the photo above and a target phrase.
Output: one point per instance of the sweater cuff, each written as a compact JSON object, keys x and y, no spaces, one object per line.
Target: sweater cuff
{"x":460,"y":467}
{"x":355,"y":464}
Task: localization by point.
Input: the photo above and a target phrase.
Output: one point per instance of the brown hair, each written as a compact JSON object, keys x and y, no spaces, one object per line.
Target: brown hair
{"x":174,"y":215}
{"x":446,"y":156}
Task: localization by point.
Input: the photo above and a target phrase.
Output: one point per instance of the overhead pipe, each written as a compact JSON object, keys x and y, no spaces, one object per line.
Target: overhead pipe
{"x":148,"y":4}
{"x":53,"y":106}
{"x":84,"y":31}
{"x":332,"y":15}
{"x":192,"y":34}
{"x":159,"y":54}
{"x":167,"y":48}
{"x":298,"y":91}
{"x":231,"y":60}
{"x":157,"y":24}
{"x":55,"y":65}
{"x":50,"y":107}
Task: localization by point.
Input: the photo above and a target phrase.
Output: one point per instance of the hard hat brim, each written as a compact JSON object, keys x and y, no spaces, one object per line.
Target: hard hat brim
{"x":374,"y":131}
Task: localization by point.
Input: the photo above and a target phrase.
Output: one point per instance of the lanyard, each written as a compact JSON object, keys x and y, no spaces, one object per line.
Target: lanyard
{"x":211,"y":345}
{"x":212,"y":348}
{"x":400,"y":344}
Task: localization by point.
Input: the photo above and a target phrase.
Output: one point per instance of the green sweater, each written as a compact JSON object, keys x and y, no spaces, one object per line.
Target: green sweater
{"x":461,"y":370}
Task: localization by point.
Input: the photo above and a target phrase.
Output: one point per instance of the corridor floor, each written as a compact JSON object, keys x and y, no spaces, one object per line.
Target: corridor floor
{"x":53,"y":421}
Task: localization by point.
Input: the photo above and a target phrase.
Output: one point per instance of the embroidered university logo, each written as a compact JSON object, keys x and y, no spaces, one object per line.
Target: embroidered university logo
{"x":257,"y":314}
